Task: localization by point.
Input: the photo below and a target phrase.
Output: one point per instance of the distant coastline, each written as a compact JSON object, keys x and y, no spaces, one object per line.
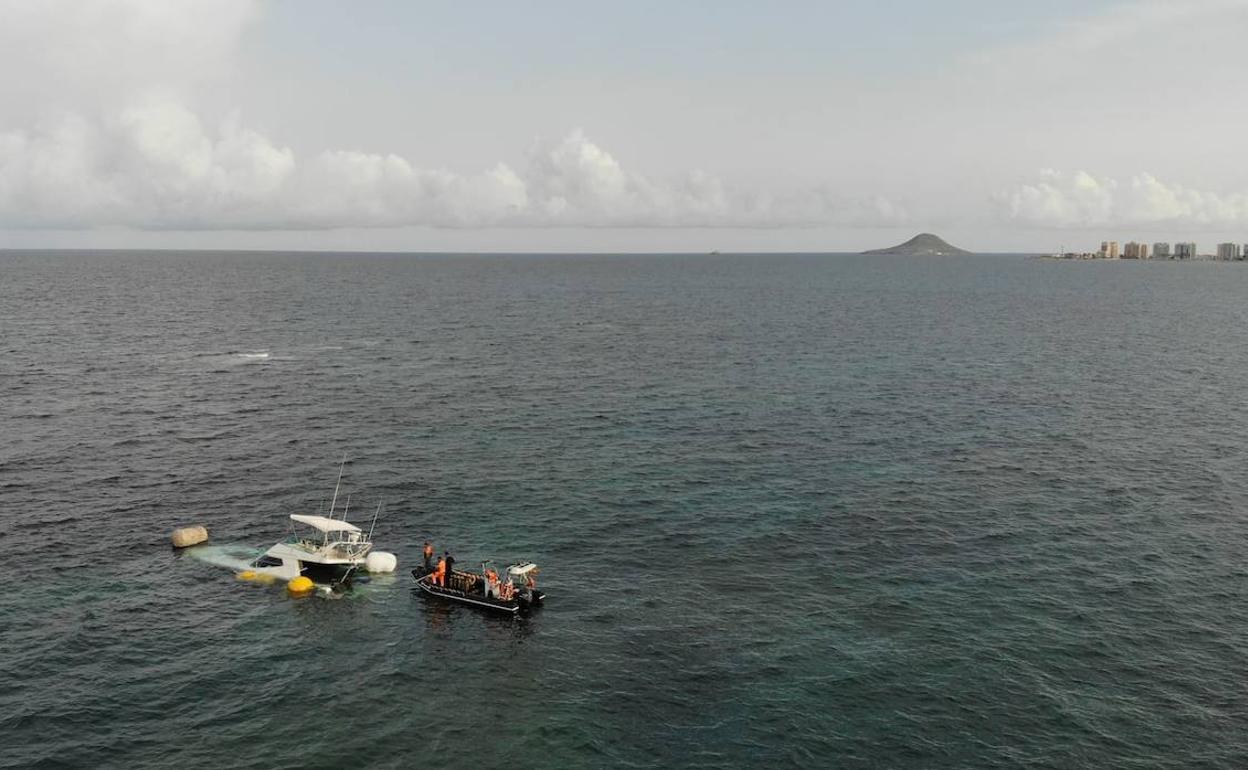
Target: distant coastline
{"x":1094,"y":257}
{"x":1160,"y":251}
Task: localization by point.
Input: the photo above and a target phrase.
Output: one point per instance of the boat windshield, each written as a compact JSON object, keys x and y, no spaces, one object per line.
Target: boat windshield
{"x":344,"y":545}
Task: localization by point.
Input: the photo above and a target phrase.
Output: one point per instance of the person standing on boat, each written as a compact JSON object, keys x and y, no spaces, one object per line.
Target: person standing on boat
{"x":450,"y":567}
{"x":428,"y":557}
{"x":439,"y":577}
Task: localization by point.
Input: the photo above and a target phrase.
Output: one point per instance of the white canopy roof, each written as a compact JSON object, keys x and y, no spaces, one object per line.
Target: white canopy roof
{"x":324,"y":523}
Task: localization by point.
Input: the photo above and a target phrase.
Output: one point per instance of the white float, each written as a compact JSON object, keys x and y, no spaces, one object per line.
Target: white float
{"x":381,"y":561}
{"x":188,"y":536}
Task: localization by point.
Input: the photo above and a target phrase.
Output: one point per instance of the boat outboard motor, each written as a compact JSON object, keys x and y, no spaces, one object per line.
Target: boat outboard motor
{"x":343,"y":584}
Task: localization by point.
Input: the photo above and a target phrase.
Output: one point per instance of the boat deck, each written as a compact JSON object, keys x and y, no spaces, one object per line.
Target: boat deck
{"x":425,"y":582}
{"x":469,"y":588}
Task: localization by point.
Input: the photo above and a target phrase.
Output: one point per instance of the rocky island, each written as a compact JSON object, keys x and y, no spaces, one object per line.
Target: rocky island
{"x":921,"y":245}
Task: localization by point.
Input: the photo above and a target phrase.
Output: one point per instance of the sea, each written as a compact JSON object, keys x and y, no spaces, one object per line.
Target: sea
{"x":791,"y":510}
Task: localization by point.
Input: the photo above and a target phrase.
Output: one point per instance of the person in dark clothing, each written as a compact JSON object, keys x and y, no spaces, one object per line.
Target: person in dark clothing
{"x":450,"y":570}
{"x":428,"y":557}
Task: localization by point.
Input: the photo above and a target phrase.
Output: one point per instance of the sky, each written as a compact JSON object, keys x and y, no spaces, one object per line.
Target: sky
{"x":1002,"y":125}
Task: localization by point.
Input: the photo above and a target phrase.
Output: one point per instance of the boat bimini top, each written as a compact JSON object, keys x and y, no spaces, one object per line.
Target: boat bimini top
{"x":521,"y":570}
{"x":339,"y":541}
{"x":324,"y":523}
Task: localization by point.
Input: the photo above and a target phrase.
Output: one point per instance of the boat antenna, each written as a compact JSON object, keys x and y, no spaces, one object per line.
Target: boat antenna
{"x":346,"y":508}
{"x":334,"y":502}
{"x":376,"y":513}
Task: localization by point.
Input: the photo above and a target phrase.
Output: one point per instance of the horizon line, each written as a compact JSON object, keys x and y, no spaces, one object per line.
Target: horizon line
{"x":716,"y":253}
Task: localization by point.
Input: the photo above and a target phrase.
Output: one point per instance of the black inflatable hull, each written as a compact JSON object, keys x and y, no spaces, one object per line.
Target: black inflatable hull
{"x":479,"y":601}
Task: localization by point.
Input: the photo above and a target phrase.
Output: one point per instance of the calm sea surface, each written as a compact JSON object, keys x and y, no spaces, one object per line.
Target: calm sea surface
{"x":815,"y":511}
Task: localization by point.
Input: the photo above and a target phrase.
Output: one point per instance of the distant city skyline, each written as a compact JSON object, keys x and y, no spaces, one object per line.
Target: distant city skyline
{"x":799,"y":126}
{"x":1183,"y":250}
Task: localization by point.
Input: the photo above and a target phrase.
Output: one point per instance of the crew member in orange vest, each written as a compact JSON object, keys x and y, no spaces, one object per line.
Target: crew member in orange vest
{"x":439,"y":577}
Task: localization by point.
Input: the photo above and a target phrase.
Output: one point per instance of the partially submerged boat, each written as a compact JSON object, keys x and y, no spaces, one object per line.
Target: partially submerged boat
{"x":337,"y":548}
{"x":324,"y":548}
{"x":515,"y":593}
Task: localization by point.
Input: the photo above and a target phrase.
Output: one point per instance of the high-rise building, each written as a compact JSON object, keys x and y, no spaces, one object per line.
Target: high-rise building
{"x":1131,"y":250}
{"x":1104,"y":249}
{"x":1113,"y":250}
{"x":1143,"y":251}
{"x":1161,"y":251}
{"x":1185,"y":251}
{"x":1228,"y":251}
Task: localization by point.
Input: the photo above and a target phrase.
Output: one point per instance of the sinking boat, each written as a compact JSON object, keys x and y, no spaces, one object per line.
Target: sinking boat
{"x":337,"y":548}
{"x":324,"y":549}
{"x":515,"y":593}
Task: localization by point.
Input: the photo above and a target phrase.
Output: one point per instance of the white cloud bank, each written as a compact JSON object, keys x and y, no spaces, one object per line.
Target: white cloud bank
{"x":105,"y":126}
{"x":112,"y":116}
{"x":1081,"y":199}
{"x":155,"y":166}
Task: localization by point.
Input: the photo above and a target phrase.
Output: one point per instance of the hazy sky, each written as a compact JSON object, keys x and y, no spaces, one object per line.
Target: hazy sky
{"x":824,"y":126}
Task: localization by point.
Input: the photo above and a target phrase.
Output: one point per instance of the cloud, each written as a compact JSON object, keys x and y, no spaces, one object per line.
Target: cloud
{"x":96,"y":129}
{"x":1114,"y":38}
{"x":1080,"y":199}
{"x":106,"y":124}
{"x":71,"y":52}
{"x":154,"y":165}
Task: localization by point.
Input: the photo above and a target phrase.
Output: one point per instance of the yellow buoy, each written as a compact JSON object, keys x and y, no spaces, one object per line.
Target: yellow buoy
{"x":247,"y":574}
{"x":299,"y":586}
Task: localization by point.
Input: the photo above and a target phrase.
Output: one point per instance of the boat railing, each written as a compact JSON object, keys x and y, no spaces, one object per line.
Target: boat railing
{"x":343,"y":549}
{"x":347,"y":549}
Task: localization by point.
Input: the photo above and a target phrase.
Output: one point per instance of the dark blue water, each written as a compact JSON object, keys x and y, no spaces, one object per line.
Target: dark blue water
{"x":820,"y":511}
